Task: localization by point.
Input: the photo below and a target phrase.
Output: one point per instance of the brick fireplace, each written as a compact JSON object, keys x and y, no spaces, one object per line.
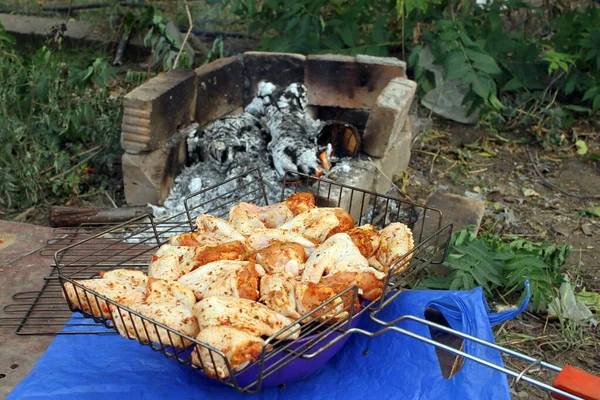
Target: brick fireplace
{"x":371,"y":93}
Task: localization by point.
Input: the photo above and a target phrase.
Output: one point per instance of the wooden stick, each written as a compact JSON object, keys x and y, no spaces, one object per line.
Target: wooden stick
{"x":552,"y":186}
{"x":391,"y":181}
{"x":187,"y":35}
{"x":75,"y":216}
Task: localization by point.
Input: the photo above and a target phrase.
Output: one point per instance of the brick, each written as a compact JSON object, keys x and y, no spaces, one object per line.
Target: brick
{"x":281,"y":69}
{"x":149,"y":177}
{"x":348,"y":82}
{"x":154,"y":111}
{"x":388,"y":116}
{"x":356,"y":173}
{"x":395,"y":160}
{"x":220,"y":89}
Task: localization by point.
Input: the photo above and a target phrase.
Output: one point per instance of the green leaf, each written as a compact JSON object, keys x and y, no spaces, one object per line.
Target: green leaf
{"x":379,"y":33}
{"x":591,"y":93}
{"x":594,"y":211}
{"x":5,"y":37}
{"x":513,"y":84}
{"x":596,"y":104}
{"x":333,"y":42}
{"x":483,"y":62}
{"x":347,"y":35}
{"x":581,"y":147}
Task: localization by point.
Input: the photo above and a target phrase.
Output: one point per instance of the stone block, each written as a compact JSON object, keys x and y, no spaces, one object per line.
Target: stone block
{"x":349,"y":82}
{"x":395,"y":160}
{"x":149,"y":177}
{"x":459,"y":210}
{"x":388,"y":116}
{"x":281,"y":69}
{"x":154,"y":111}
{"x":220,"y":89}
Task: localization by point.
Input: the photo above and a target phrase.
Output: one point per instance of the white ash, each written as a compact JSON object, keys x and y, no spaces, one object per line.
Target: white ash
{"x":274,"y":133}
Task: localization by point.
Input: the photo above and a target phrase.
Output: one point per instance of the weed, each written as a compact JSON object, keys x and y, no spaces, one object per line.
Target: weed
{"x":59,"y":127}
{"x":495,"y":265}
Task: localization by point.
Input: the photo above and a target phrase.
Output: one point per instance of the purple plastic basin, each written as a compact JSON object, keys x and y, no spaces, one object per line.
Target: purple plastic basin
{"x":299,"y":367}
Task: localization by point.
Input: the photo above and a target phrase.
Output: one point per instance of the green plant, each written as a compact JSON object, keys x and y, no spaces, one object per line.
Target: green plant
{"x":489,"y":262}
{"x":537,"y":66}
{"x":59,"y":128}
{"x":164,"y":47}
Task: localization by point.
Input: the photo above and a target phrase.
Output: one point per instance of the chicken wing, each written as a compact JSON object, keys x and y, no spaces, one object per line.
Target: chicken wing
{"x":171,"y":262}
{"x":169,"y":303}
{"x":123,"y":286}
{"x":246,"y":217}
{"x":293,"y":299}
{"x":366,"y":238}
{"x":285,"y":257}
{"x":396,"y":240}
{"x":318,"y":224}
{"x":245,"y":315}
{"x":239,"y":347}
{"x":225,"y":278}
{"x":300,"y":202}
{"x":263,"y":238}
{"x":211,"y":231}
{"x":338,"y":263}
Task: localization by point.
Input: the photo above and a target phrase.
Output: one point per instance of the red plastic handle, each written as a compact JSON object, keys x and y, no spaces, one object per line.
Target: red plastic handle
{"x":578,"y":383}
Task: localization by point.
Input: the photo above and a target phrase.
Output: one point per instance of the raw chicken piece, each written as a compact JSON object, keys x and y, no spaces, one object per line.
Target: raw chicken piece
{"x":262,"y":238}
{"x":239,"y":347}
{"x":318,"y":224}
{"x":245,"y":315}
{"x":169,"y":303}
{"x":300,"y":202}
{"x":162,"y":291}
{"x":211,"y":231}
{"x":293,"y":299}
{"x":285,"y":257}
{"x":225,"y":278}
{"x":366,"y":238}
{"x":246,"y":217}
{"x":123,"y":286}
{"x":171,"y":262}
{"x":396,"y":240}
{"x":338,"y":263}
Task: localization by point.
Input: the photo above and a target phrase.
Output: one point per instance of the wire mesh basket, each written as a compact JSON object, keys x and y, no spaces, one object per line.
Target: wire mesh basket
{"x":324,"y":330}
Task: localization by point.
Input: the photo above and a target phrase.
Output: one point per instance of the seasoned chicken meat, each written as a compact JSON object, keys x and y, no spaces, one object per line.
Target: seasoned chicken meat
{"x":171,"y":262}
{"x":366,"y":238}
{"x":262,"y":238}
{"x":245,"y":315}
{"x":300,"y":202}
{"x":318,"y":224}
{"x":246,"y":217}
{"x":123,"y":286}
{"x":338,"y":263}
{"x":293,"y":298}
{"x":169,"y":303}
{"x":285,"y":257}
{"x":239,"y":347}
{"x":396,"y":240}
{"x":225,"y":278}
{"x":211,"y":231}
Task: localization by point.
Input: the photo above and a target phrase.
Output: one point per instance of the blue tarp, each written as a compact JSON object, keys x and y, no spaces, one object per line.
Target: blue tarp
{"x":396,"y":367}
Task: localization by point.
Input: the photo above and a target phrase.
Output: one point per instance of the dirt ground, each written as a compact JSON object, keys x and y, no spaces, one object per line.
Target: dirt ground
{"x":468,"y":161}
